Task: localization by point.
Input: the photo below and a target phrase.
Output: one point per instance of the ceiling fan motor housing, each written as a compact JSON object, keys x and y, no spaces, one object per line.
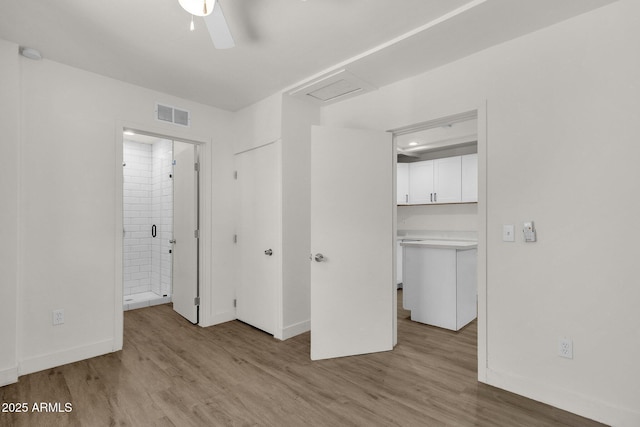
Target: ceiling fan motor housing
{"x":198,"y":7}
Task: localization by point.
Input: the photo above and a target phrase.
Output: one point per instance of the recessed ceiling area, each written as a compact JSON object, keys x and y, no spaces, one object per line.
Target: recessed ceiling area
{"x":437,"y":138}
{"x":279,"y":44}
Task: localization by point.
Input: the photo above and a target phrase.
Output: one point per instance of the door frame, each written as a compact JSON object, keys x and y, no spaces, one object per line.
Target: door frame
{"x":478,"y":111}
{"x":204,"y":214}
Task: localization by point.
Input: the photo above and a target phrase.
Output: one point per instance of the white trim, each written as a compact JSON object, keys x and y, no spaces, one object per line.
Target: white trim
{"x":296,"y":329}
{"x":8,"y":376}
{"x":64,"y":357}
{"x":585,"y":406}
{"x":483,"y":191}
{"x":278,"y":332}
{"x":118,"y":310}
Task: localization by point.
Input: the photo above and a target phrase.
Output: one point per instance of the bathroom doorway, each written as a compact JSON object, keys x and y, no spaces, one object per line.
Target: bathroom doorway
{"x":160,"y":223}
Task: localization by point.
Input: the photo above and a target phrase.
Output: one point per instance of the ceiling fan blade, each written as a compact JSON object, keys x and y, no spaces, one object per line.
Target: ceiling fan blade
{"x":218,"y":28}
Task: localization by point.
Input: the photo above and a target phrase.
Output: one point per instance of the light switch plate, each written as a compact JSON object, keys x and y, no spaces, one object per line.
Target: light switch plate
{"x":508,"y":233}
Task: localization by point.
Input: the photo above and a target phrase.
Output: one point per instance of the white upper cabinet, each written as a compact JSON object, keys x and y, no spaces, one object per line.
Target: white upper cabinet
{"x":470,"y":178}
{"x":447,"y":180}
{"x":421,"y":182}
{"x":402,"y":192}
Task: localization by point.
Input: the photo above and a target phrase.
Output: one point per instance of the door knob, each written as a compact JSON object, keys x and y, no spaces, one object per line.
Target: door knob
{"x":268,"y":252}
{"x":319,"y":257}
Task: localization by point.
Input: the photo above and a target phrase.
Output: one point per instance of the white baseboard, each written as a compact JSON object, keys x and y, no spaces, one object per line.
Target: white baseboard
{"x":8,"y":376}
{"x":51,"y":360}
{"x":296,"y":329}
{"x":567,"y":400}
{"x":218,"y":318}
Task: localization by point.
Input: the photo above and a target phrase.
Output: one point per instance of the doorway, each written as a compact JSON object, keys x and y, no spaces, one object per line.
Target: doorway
{"x":437,"y":201}
{"x":160,"y":223}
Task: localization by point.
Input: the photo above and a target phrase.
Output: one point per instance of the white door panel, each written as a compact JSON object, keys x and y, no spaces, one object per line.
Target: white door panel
{"x":258,"y":231}
{"x":352,"y":288}
{"x":185,"y":222}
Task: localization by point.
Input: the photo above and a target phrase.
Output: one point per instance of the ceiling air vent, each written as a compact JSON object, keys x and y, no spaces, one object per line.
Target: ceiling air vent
{"x":165,"y":113}
{"x":331,"y":88}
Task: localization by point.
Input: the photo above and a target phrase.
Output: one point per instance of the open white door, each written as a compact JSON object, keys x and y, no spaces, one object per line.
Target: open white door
{"x":352,"y":241}
{"x":258,"y":230}
{"x":185,"y":224}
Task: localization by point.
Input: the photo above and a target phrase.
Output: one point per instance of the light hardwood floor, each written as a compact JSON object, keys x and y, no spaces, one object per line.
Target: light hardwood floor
{"x":172,"y":373}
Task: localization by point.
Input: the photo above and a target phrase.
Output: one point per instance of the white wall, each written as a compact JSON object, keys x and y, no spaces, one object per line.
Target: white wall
{"x":297,"y":118}
{"x":9,"y":185}
{"x":70,"y":207}
{"x":562,"y":107}
{"x":258,"y":124}
{"x":449,"y":217}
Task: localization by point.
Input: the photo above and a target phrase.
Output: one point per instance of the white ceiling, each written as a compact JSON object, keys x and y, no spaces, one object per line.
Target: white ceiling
{"x":279,"y":43}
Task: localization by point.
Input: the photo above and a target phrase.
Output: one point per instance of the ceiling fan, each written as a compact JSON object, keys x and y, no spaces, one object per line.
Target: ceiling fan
{"x":214,"y":19}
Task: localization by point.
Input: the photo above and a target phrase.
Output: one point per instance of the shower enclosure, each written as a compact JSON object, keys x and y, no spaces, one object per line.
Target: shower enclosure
{"x":148,"y":220}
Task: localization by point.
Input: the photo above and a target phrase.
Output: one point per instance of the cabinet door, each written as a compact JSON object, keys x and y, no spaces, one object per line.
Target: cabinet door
{"x":447,"y":180}
{"x":402,"y":192}
{"x":421,"y":182}
{"x":470,"y":178}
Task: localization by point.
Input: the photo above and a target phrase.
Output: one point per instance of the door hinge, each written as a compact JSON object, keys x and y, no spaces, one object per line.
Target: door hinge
{"x":196,"y":167}
{"x":235,"y":302}
{"x":235,"y":238}
{"x":196,"y":234}
{"x":235,"y":174}
{"x":196,"y":301}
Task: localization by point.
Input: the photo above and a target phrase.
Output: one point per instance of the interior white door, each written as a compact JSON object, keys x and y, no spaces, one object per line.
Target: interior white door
{"x":185,"y":223}
{"x":258,"y":231}
{"x":352,"y":240}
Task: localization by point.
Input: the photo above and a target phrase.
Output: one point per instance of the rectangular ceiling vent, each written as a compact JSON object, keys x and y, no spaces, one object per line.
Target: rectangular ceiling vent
{"x":333,"y":87}
{"x":165,"y":113}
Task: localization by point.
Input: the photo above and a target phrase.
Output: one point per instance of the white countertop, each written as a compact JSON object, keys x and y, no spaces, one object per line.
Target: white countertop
{"x":442,"y":244}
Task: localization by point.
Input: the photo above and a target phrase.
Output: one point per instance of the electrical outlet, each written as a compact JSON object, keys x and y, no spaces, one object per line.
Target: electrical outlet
{"x":565,"y":348}
{"x":58,"y":317}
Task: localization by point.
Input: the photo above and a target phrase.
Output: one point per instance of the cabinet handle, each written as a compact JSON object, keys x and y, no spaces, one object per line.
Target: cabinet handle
{"x":431,"y":194}
{"x":435,"y":197}
{"x":406,"y":198}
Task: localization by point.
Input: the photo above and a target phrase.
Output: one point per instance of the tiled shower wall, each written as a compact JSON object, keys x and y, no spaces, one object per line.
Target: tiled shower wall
{"x":148,"y":200}
{"x":162,"y":216}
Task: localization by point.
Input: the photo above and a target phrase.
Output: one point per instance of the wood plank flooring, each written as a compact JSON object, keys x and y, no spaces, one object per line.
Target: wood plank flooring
{"x":172,"y":373}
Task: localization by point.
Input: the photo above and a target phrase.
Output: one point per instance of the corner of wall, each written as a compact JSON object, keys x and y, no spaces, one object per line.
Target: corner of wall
{"x":10,"y":83}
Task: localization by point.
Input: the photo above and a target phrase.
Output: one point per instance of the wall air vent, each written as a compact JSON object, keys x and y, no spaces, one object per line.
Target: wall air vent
{"x":165,"y":113}
{"x":333,"y":87}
